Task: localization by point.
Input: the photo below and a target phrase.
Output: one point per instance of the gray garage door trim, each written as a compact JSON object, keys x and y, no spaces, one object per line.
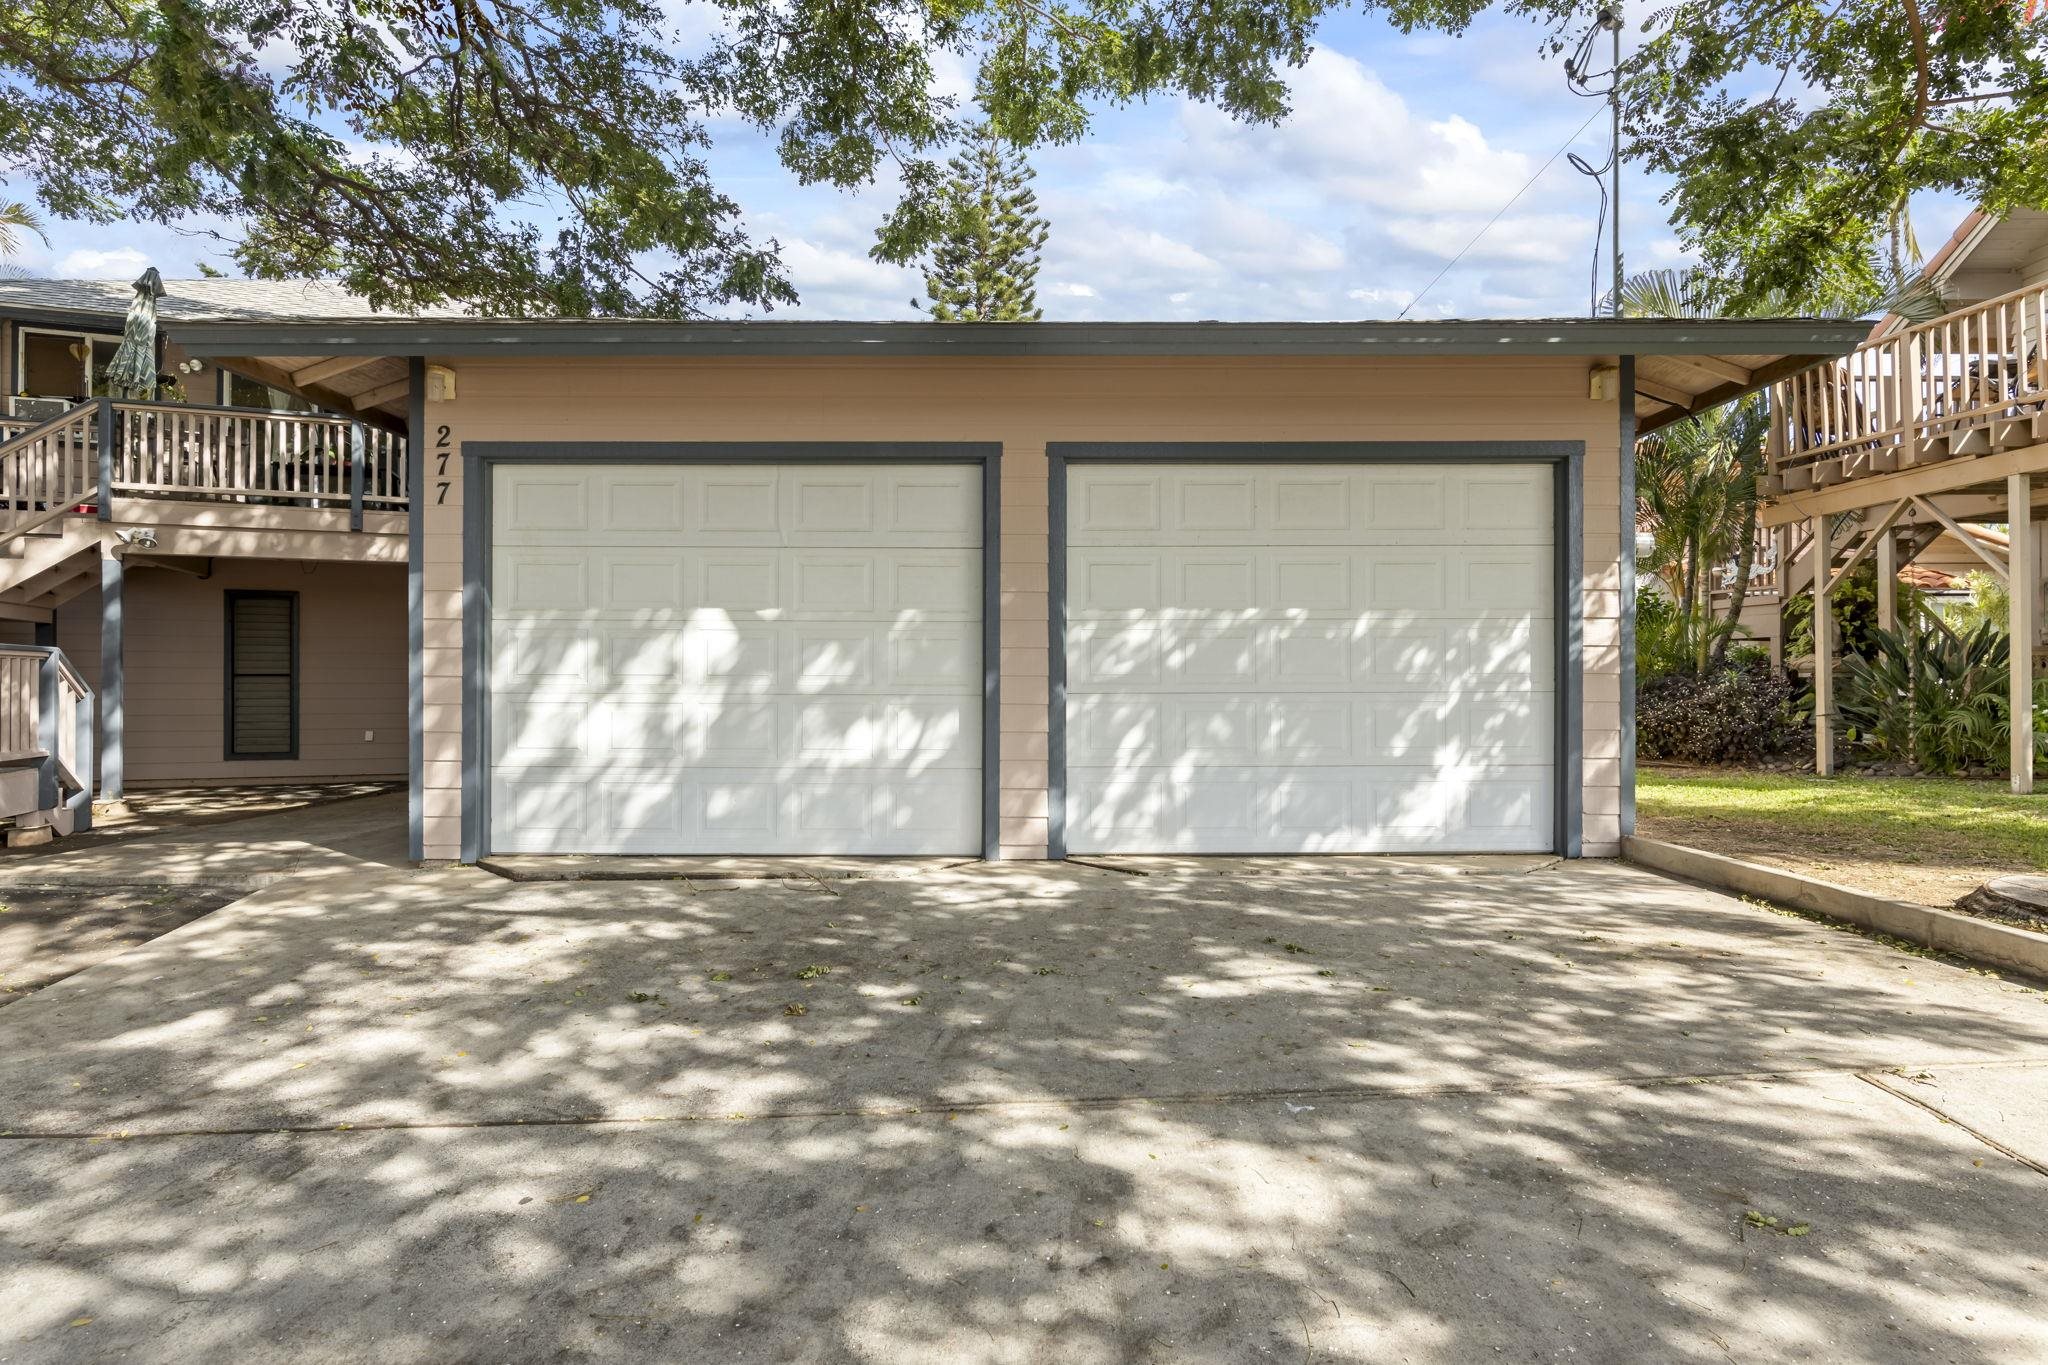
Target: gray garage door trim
{"x":480,"y":458}
{"x":1567,"y":462}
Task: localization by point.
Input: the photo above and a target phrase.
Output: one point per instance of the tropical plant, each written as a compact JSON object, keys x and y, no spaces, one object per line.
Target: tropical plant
{"x":1696,"y":491}
{"x":15,"y":220}
{"x":1853,"y":604}
{"x":1989,"y":603}
{"x":984,"y":265}
{"x":1932,"y":697}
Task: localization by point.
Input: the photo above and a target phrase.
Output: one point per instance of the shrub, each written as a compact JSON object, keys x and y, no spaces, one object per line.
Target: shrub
{"x":1734,"y":715}
{"x":1932,"y":697}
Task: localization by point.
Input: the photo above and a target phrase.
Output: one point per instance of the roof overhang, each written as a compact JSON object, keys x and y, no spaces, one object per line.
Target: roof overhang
{"x":1682,"y":366}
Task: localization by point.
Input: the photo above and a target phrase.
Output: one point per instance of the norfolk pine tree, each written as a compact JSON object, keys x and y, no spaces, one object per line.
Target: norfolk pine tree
{"x":984,"y":266}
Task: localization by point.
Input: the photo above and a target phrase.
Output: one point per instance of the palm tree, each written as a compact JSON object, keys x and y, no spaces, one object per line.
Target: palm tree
{"x":16,"y":219}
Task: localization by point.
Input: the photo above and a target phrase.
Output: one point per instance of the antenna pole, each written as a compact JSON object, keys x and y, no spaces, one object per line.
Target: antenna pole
{"x":1613,"y":19}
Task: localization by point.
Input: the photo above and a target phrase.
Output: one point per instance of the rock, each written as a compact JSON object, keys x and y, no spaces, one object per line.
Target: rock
{"x":2021,"y":900}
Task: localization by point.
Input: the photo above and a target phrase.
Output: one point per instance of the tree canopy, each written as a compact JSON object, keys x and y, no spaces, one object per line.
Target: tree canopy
{"x":983,"y":266}
{"x":549,"y":156}
{"x":1797,"y":130}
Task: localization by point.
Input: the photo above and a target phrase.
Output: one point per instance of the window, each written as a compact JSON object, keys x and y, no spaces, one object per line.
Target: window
{"x":240,"y":391}
{"x":62,"y":364}
{"x":263,"y":675}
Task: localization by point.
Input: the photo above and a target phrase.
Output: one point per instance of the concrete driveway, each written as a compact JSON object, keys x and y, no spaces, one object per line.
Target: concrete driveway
{"x":1364,"y":1110}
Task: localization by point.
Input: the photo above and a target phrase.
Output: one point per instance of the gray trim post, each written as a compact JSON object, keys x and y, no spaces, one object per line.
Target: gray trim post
{"x":1567,"y":458}
{"x":415,"y":606}
{"x":476,"y":627}
{"x":1627,"y":402}
{"x":358,"y":471}
{"x":113,"y":715}
{"x":1056,"y":655}
{"x":992,"y":655}
{"x":105,"y":426}
{"x":1568,"y":556}
{"x":479,"y":458}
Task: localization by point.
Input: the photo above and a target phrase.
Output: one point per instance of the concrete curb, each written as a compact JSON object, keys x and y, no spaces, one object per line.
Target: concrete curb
{"x":1946,"y":930}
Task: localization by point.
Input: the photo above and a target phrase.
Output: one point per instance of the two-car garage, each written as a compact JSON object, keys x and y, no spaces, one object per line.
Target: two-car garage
{"x":762,"y":656}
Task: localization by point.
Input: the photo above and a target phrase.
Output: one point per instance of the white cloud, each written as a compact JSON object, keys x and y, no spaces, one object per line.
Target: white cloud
{"x":1067,"y":289}
{"x":120,"y":263}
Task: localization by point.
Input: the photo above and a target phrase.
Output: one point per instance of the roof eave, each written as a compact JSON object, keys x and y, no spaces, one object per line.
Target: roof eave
{"x":1815,"y":338}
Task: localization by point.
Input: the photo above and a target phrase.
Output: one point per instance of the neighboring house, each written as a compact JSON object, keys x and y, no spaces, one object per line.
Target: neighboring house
{"x":57,"y":337}
{"x":260,"y":607}
{"x":1012,"y":590}
{"x":1922,"y":436}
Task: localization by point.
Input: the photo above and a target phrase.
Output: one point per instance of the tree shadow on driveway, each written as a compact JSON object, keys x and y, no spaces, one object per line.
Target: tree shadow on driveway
{"x":1012,"y":1113}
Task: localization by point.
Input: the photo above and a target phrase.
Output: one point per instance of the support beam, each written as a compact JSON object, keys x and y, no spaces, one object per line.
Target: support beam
{"x":1664,"y":393}
{"x":330,"y":368}
{"x":1887,"y":581}
{"x":1711,"y":364}
{"x":113,"y":715}
{"x":376,"y":397}
{"x":1955,"y":529}
{"x":1884,"y":528}
{"x":1823,"y":654}
{"x":1986,"y":473}
{"x":2023,"y":592}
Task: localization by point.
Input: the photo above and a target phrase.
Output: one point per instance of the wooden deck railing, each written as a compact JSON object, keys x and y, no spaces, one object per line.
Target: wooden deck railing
{"x":48,"y":470}
{"x":242,"y":455}
{"x":1966,"y":383}
{"x":194,"y":453}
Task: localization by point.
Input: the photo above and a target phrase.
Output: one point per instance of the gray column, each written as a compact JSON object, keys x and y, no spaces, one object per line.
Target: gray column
{"x":112,"y":716}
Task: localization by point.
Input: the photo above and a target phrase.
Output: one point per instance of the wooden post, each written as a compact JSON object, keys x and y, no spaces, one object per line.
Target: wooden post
{"x":1887,"y":580}
{"x":1823,"y":653}
{"x":1784,"y":586}
{"x":2023,"y":591}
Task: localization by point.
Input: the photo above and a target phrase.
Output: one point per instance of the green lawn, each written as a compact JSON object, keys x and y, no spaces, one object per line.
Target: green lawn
{"x":1924,"y":839}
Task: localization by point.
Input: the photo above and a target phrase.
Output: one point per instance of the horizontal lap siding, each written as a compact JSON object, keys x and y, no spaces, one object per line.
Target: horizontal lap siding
{"x":352,"y":674}
{"x":1025,"y":404}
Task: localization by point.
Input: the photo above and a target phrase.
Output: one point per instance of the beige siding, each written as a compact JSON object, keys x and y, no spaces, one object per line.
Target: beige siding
{"x":352,"y":673}
{"x":1024,"y":404}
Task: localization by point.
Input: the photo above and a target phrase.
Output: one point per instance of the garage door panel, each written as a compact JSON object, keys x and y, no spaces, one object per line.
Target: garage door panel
{"x":1309,"y":658}
{"x":804,"y":679}
{"x":541,"y":580}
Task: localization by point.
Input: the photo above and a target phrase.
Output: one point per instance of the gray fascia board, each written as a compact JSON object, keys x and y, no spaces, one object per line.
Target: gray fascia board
{"x":1818,"y":338}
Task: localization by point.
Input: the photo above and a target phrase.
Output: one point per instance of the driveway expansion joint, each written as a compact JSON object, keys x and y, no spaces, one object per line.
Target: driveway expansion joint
{"x":1878,"y":1079}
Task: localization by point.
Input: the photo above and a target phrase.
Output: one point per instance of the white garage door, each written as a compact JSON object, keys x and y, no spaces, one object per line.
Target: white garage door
{"x":736,"y":659}
{"x":1309,"y":658}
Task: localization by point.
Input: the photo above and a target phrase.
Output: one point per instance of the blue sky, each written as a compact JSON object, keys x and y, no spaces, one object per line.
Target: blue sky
{"x":1400,"y":147}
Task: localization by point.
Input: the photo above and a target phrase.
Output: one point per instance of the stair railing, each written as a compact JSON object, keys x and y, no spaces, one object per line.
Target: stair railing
{"x":46,"y":717}
{"x":49,"y":470}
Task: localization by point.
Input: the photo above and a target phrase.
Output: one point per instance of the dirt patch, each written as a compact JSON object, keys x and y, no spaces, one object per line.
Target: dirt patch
{"x":49,"y":932}
{"x":1874,"y":864}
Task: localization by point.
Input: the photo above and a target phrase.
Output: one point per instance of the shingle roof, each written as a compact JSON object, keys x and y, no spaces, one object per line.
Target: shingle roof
{"x":201,"y":300}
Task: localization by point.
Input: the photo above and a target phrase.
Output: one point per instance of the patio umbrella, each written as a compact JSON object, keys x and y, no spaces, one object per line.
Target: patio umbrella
{"x":132,"y":372}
